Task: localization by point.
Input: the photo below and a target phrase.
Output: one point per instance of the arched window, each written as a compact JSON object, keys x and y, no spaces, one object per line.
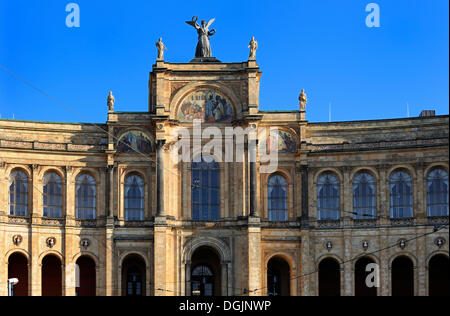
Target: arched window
{"x":205,"y":190}
{"x":364,"y":196}
{"x":134,"y":198}
{"x":86,"y":200}
{"x":53,"y":195}
{"x":18,"y":193}
{"x":437,"y":193}
{"x":401,"y":195}
{"x":328,"y":197}
{"x":277,"y":192}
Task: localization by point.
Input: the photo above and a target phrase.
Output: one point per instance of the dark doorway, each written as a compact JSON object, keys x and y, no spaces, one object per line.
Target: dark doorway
{"x":86,"y":277}
{"x":329,"y":278}
{"x":438,"y":276}
{"x":18,"y":268}
{"x":402,"y":277}
{"x":51,"y":276}
{"x":133,"y":276}
{"x":278,"y":277}
{"x":361,"y":288}
{"x":205,"y":276}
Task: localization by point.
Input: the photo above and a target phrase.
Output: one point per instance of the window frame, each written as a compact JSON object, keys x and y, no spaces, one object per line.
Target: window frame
{"x":93,"y":207}
{"x":140,"y":186}
{"x":47,"y":195}
{"x":443,"y":176}
{"x":282,"y":214}
{"x":397,"y":210}
{"x":208,"y":208}
{"x":24,"y":196}
{"x":335,"y":199}
{"x":369,"y":206}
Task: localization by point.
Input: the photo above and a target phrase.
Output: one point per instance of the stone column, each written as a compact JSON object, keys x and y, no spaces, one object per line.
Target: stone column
{"x":384,"y":202}
{"x":305,"y":210}
{"x":306,"y":266}
{"x":160,"y":261}
{"x":419,"y":194}
{"x":348,"y":266}
{"x":36,"y":267}
{"x":254,"y":257}
{"x":224,"y":278}
{"x":110,"y":191}
{"x":160,"y":178}
{"x":110,"y":262}
{"x":253,"y":178}
{"x":187,"y":277}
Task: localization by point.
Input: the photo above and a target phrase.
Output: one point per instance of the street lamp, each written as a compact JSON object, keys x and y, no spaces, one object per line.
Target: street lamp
{"x":11,"y":283}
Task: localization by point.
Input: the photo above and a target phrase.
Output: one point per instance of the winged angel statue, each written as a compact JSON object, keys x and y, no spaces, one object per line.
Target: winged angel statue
{"x":203,"y":46}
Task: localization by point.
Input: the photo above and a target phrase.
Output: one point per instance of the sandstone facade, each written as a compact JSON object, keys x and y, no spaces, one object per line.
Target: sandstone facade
{"x":167,"y":238}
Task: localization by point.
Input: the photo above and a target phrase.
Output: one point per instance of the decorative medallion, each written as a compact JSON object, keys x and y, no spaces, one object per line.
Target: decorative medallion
{"x":402,"y":243}
{"x":17,"y":240}
{"x":329,"y":245}
{"x":365,"y":245}
{"x":440,"y":242}
{"x":85,"y":243}
{"x":206,"y":105}
{"x":51,"y":242}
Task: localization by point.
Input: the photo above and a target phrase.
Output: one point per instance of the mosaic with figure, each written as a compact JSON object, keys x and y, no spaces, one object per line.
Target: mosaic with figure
{"x":134,"y":142}
{"x":205,"y":105}
{"x":285,"y":143}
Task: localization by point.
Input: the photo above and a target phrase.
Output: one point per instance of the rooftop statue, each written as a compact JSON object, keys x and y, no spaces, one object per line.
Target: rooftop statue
{"x":161,"y":47}
{"x":203,"y":47}
{"x":110,"y":101}
{"x":253,"y":47}
{"x":303,"y":100}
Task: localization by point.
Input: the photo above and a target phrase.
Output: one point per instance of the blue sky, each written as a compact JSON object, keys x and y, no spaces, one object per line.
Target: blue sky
{"x":322,"y":46}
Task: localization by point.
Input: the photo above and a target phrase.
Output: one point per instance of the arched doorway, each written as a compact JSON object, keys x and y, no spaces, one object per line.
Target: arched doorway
{"x":329,"y":278}
{"x":86,"y":277}
{"x":205,"y":274}
{"x":133,"y":276}
{"x":51,"y":276}
{"x":18,"y":268}
{"x":402,"y":277}
{"x":278,"y":277}
{"x":438,"y":276}
{"x":361,"y":288}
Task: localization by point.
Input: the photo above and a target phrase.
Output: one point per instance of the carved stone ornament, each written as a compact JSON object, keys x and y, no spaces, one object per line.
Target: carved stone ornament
{"x":85,"y":243}
{"x":51,"y":242}
{"x":440,"y":242}
{"x":402,"y":243}
{"x":17,"y":240}
{"x":329,"y":245}
{"x":365,"y":245}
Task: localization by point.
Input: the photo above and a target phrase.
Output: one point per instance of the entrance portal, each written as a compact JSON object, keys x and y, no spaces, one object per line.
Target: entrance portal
{"x":205,"y":275}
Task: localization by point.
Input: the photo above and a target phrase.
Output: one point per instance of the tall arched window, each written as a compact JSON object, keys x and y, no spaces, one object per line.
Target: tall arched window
{"x":205,"y":190}
{"x":364,"y":196}
{"x":328,"y":197}
{"x":86,"y":200}
{"x":401,"y":195}
{"x":134,"y":198}
{"x":18,"y":193}
{"x":437,"y":193}
{"x":277,"y":193}
{"x":53,"y":195}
